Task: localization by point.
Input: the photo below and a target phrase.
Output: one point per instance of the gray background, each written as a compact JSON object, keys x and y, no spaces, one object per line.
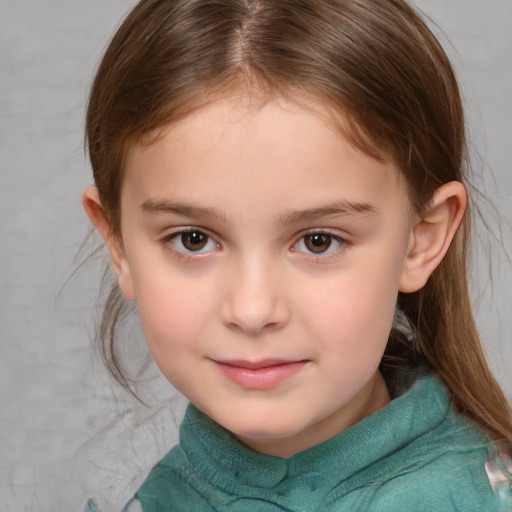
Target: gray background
{"x":66,"y":432}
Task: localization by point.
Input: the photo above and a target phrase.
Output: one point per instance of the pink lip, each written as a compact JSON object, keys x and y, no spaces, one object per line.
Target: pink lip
{"x":259,"y":374}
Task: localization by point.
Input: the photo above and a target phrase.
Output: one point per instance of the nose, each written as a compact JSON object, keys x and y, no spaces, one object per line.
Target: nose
{"x":255,"y":298}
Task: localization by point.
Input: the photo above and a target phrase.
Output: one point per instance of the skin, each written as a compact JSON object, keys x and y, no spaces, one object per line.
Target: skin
{"x":257,"y":182}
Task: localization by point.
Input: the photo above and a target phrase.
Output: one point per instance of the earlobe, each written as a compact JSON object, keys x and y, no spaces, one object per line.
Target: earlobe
{"x":94,"y":209}
{"x":432,"y":235}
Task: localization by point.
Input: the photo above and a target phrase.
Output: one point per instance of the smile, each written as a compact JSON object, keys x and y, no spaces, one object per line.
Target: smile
{"x":259,"y":375}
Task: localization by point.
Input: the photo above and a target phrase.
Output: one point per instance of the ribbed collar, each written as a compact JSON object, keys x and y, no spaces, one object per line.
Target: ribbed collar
{"x":229,"y":465}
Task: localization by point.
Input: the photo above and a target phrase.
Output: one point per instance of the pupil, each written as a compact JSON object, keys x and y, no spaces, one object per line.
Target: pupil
{"x":194,"y":241}
{"x":195,"y":238}
{"x":318,"y":240}
{"x":318,"y":243}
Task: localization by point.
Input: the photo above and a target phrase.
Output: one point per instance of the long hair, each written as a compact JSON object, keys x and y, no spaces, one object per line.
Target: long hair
{"x":377,"y":64}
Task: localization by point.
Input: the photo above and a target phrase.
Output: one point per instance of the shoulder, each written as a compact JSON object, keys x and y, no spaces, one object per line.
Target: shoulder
{"x":172,"y":484}
{"x":451,"y":482}
{"x":174,"y":480}
{"x":443,"y":468}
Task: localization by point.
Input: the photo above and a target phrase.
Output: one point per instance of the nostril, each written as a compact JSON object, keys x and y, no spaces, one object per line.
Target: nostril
{"x":248,"y":329}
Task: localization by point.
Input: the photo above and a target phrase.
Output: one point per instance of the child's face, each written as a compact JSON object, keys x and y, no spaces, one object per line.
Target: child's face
{"x":265,"y":253}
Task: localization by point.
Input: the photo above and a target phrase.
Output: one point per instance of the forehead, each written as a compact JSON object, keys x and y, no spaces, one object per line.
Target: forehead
{"x":275,"y":148}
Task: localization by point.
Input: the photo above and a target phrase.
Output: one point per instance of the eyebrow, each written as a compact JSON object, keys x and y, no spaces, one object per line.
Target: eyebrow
{"x":334,"y":209}
{"x":182,"y":209}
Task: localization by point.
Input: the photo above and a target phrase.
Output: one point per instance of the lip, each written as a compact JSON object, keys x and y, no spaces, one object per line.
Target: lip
{"x":262,"y":374}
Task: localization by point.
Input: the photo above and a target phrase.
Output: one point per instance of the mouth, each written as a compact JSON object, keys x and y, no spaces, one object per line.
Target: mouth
{"x":262,"y":374}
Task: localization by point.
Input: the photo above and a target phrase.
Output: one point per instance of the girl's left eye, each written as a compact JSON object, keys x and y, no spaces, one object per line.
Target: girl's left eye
{"x":192,"y":241}
{"x":318,"y":243}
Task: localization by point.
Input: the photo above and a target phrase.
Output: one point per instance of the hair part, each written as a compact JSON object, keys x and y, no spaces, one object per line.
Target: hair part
{"x":170,"y":57}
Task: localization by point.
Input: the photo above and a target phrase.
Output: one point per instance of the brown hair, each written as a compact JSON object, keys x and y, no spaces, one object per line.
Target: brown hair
{"x":374,"y":61}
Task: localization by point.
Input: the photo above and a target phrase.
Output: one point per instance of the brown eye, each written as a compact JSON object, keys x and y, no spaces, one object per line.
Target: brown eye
{"x":318,"y":242}
{"x":194,"y":240}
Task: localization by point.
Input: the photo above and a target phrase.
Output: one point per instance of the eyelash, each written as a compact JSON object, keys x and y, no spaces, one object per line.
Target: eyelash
{"x":169,"y":242}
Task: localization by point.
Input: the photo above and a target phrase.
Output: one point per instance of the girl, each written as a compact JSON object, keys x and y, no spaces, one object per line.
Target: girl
{"x":279,"y":184}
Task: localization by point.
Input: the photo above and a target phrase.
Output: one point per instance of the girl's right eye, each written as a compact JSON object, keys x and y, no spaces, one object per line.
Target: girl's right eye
{"x":192,"y":241}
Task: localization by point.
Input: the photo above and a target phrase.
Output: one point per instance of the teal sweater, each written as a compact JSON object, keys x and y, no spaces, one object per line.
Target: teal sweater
{"x":416,"y":454}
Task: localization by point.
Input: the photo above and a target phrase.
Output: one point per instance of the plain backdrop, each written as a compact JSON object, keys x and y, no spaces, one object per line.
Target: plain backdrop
{"x":67,"y":432}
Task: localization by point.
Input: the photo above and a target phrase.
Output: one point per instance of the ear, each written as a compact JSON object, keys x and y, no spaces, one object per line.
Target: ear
{"x":94,"y":209}
{"x":432,"y":235}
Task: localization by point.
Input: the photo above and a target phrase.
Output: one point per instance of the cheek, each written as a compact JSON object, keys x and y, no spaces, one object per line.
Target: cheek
{"x":354,"y":312}
{"x":173,"y":312}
